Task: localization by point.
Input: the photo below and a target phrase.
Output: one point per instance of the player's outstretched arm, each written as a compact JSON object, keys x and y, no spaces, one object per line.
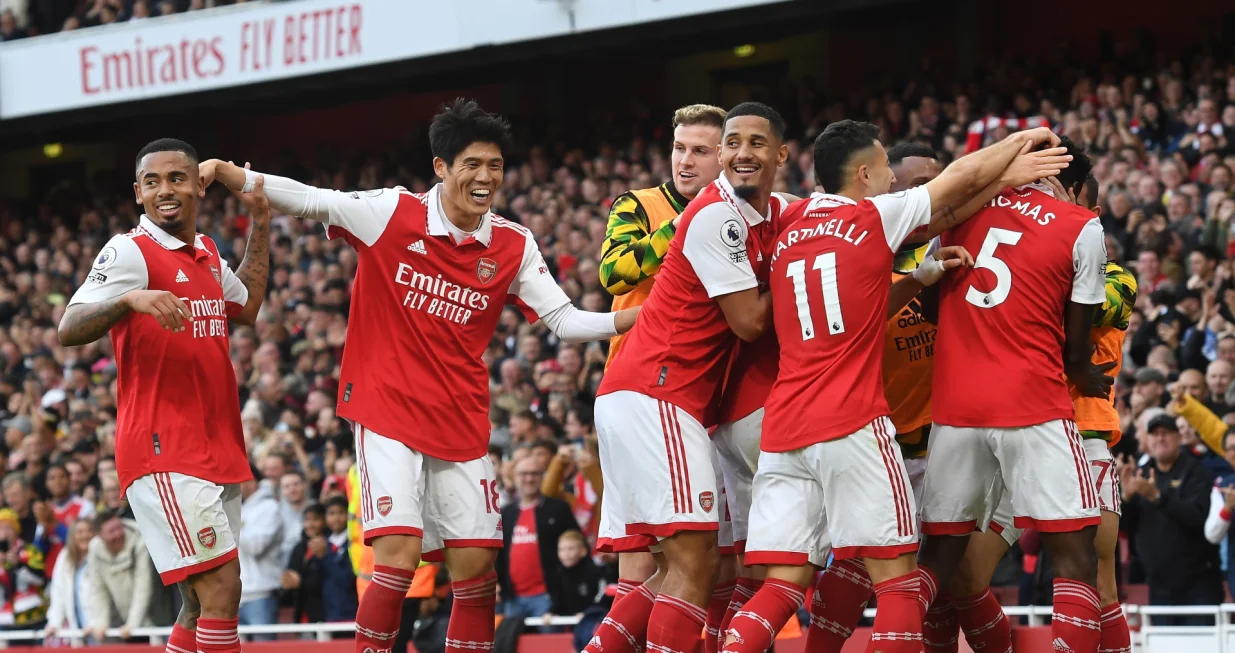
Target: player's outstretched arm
{"x":545,"y":301}
{"x":971,"y":174}
{"x":254,"y":268}
{"x":1088,"y":295}
{"x":84,"y":323}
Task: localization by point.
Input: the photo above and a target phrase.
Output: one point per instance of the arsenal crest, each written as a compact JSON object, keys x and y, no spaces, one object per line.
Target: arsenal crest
{"x":384,"y":505}
{"x":485,"y":269}
{"x":706,"y":501}
{"x":207,"y":537}
{"x":218,"y":276}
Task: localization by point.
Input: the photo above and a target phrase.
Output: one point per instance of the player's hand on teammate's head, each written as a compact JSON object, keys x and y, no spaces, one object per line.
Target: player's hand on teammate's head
{"x":1028,"y":167}
{"x":167,"y":308}
{"x":255,"y":201}
{"x":1038,"y":136}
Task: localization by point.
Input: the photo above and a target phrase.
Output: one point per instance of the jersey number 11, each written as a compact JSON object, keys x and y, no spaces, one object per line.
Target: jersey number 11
{"x":826,"y":265}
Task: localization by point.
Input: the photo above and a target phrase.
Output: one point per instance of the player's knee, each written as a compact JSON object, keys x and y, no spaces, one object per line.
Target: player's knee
{"x":1073,"y":554}
{"x":470,"y":562}
{"x":699,"y":559}
{"x":399,"y":551}
{"x":218,"y":591}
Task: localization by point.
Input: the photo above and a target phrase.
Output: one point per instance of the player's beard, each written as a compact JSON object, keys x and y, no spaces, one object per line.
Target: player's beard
{"x":170,"y":225}
{"x":746,"y":192}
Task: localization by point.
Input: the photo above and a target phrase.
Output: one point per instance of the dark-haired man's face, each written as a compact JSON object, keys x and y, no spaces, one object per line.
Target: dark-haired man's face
{"x":874,"y":171}
{"x":168,"y":186}
{"x":57,"y":482}
{"x":750,"y":155}
{"x":914,"y":171}
{"x":695,"y":164}
{"x":471,"y":181}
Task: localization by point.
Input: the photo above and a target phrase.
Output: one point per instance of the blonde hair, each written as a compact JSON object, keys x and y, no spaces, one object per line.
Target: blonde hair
{"x":700,"y":114}
{"x":573,"y":535}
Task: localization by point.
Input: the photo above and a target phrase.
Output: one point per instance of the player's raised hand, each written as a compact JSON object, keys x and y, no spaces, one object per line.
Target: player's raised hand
{"x":1038,"y":136}
{"x":940,"y":261}
{"x":1029,"y":167}
{"x":168,"y":309}
{"x":255,"y":201}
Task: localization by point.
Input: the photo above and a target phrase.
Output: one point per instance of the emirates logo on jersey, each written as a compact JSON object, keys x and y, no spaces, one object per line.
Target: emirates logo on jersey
{"x":706,"y":501}
{"x":486,"y":268}
{"x":207,"y":537}
{"x":218,"y":276}
{"x":384,"y":504}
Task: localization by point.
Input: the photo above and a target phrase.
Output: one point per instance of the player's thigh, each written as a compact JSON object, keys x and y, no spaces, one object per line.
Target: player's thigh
{"x":788,"y":523}
{"x":916,"y":468}
{"x":982,"y":556}
{"x":617,"y":474}
{"x":1102,"y":471}
{"x":870,"y":507}
{"x":184,"y":524}
{"x":1045,"y":469}
{"x":461,"y":506}
{"x":392,"y":485}
{"x":663,"y":465}
{"x":737,"y":445}
{"x":960,"y":471}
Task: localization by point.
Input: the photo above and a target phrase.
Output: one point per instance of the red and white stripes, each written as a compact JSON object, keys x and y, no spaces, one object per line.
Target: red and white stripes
{"x":400,"y":584}
{"x":1089,"y":493}
{"x":1077,"y":592}
{"x":928,"y":588}
{"x":884,"y":436}
{"x":675,"y":451}
{"x":175,"y":519}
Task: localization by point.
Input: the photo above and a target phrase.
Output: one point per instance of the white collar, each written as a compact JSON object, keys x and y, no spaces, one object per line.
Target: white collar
{"x":823,"y":199}
{"x":437,"y":219}
{"x":1035,"y":186}
{"x":165,"y":239}
{"x":730,"y":195}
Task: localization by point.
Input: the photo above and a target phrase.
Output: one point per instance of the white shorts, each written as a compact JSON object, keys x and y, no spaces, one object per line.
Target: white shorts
{"x":724,"y":533}
{"x":404,"y":492}
{"x":850,"y":495}
{"x":657,"y":460}
{"x":737,"y":445}
{"x":916,"y":467}
{"x":189,"y":525}
{"x":1042,"y":467}
{"x":1105,"y":478}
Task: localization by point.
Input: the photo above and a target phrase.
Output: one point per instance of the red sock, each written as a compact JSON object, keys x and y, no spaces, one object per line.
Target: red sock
{"x":217,"y":636}
{"x":940,"y":630}
{"x":1115,"y":635}
{"x":754,"y":627}
{"x":721,"y":596}
{"x":624,"y":629}
{"x":836,"y":605}
{"x":471,"y":617}
{"x":1076,"y":620}
{"x":985,"y":624}
{"x":898,"y":620}
{"x":381,"y":605}
{"x":928,"y":589}
{"x":183,"y":640}
{"x":675,"y":625}
{"x":624,"y":587}
{"x":743,"y":592}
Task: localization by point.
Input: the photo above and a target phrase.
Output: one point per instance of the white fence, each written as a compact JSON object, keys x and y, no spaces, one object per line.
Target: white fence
{"x":1151,"y":638}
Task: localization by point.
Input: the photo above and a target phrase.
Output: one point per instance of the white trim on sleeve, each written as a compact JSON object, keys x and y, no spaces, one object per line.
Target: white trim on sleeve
{"x":1089,"y":265}
{"x":715,"y":245}
{"x":119,"y":267}
{"x":903,"y":212}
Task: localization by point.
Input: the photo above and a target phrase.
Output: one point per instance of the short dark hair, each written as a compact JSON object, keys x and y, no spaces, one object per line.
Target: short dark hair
{"x":1090,"y":187}
{"x":166,"y":145}
{"x":337,"y":500}
{"x":1209,"y":251}
{"x":902,"y":151}
{"x":317,"y":509}
{"x":1073,"y":176}
{"x":761,"y":110}
{"x":836,"y":146}
{"x":543,"y":443}
{"x":106,"y":516}
{"x":460,"y":123}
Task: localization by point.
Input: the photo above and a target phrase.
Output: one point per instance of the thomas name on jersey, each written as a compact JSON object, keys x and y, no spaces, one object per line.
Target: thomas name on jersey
{"x":445,"y":300}
{"x":835,"y":227}
{"x":1025,"y":207}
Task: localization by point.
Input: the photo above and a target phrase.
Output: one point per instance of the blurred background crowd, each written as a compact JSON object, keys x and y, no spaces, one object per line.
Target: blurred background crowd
{"x":1159,"y":122}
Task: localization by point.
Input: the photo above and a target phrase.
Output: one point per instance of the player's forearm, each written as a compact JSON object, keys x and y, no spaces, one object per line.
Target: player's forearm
{"x":254,"y":269}
{"x":1078,"y":351}
{"x":901,"y":293}
{"x":285,"y":195}
{"x":967,"y":177}
{"x":84,"y":323}
{"x":572,"y":325}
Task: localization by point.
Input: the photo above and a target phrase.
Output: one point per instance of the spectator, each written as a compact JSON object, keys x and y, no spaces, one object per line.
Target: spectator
{"x":120,"y":576}
{"x":1222,"y":507}
{"x":70,"y":592}
{"x":293,"y":500}
{"x":19,"y":498}
{"x":338,"y":580}
{"x":303,"y":578}
{"x":22,"y":577}
{"x":531,"y":528}
{"x":66,"y":506}
{"x":1165,"y":505}
{"x":9,"y":31}
{"x":579,"y":586}
{"x":261,"y":535}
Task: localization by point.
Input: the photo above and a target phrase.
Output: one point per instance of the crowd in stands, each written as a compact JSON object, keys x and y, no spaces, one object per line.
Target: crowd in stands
{"x":23,"y":18}
{"x":1160,"y":129}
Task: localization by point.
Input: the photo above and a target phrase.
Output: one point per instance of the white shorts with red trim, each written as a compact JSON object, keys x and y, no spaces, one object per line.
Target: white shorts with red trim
{"x":404,"y":492}
{"x":189,"y":525}
{"x":849,"y":495}
{"x":737,"y":446}
{"x":724,"y":533}
{"x":659,"y":460}
{"x":1004,"y":519}
{"x":1042,"y":467}
{"x":1105,"y":477}
{"x":916,"y":468}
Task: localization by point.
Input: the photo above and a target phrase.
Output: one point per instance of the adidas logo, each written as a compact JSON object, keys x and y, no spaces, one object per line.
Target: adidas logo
{"x":1061,"y":645}
{"x":418,"y":247}
{"x":181,"y":277}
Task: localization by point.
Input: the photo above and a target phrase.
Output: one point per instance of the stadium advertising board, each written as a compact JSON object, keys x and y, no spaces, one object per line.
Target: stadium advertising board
{"x":255,"y":43}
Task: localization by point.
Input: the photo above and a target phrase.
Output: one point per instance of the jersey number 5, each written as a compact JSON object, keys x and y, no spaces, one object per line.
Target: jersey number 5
{"x":826,"y":264}
{"x":987,"y":260}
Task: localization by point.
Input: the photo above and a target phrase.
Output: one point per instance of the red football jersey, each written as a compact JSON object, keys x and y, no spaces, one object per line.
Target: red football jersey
{"x":681,"y":343}
{"x":829,"y":284}
{"x":423,"y":310}
{"x":178,"y":408}
{"x":999,"y":351}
